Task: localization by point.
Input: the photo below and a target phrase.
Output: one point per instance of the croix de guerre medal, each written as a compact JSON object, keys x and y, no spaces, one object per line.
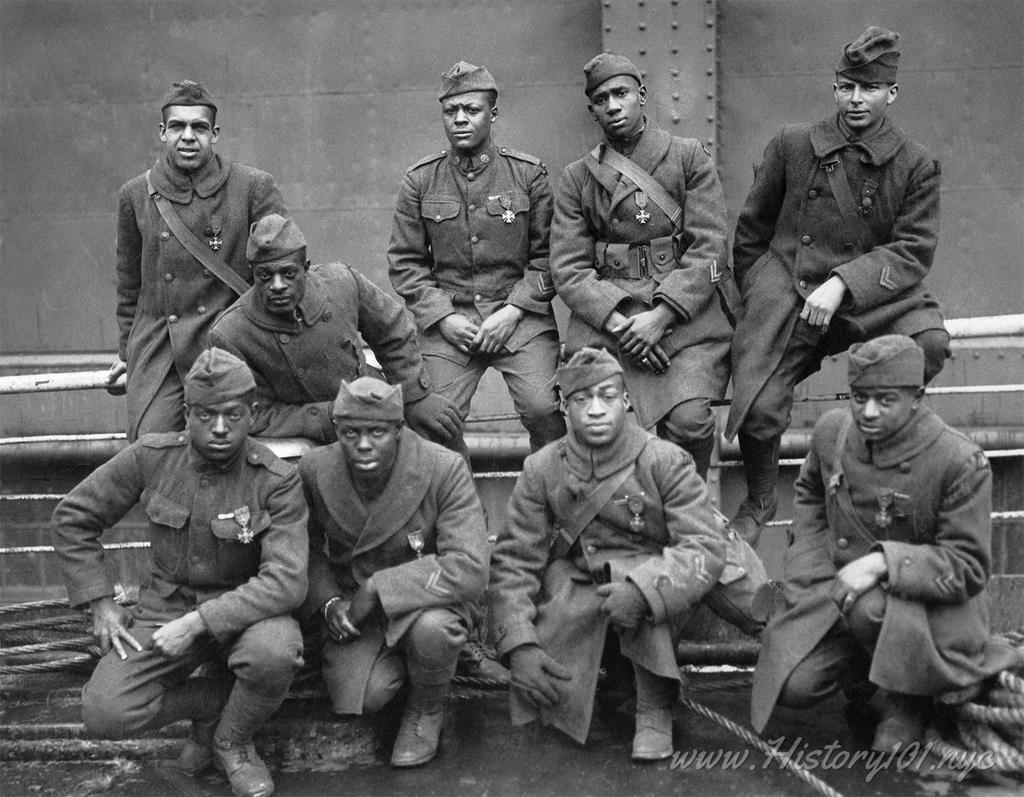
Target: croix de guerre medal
{"x":635,"y":505}
{"x":507,"y":215}
{"x":415,"y":539}
{"x":216,"y":225}
{"x":641,"y":202}
{"x":882,"y":517}
{"x":242,"y":518}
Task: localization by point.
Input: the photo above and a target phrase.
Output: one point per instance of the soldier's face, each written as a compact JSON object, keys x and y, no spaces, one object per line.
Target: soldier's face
{"x":189,"y":133}
{"x":218,"y":431}
{"x":597,"y":413}
{"x":618,"y":106}
{"x":862,"y":106}
{"x":467,"y":120}
{"x":880,"y":412}
{"x":280,"y":284}
{"x":370,"y":447}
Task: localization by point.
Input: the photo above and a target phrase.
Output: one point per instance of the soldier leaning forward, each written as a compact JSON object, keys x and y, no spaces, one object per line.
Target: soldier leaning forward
{"x":302,"y":329}
{"x":227,"y":526}
{"x":831,"y":247}
{"x":469,"y":254}
{"x":608,"y":526}
{"x":889,"y":556}
{"x":638,"y":246}
{"x":398,"y":551}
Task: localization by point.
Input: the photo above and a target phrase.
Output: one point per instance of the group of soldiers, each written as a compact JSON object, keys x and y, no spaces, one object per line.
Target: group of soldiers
{"x":377,"y":540}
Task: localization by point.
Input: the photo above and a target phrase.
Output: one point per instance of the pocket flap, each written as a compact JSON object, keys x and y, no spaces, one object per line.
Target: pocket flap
{"x":166,"y":512}
{"x":663,"y":253}
{"x":517,"y":202}
{"x":228,"y":528}
{"x":439,"y":208}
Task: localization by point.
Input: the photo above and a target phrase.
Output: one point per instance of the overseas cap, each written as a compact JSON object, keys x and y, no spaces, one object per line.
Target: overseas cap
{"x":217,"y":376}
{"x":369,"y":399}
{"x":607,"y":65}
{"x":872,"y":58}
{"x":886,"y":361}
{"x":464,"y":77}
{"x":272,"y":238}
{"x":187,"y":92}
{"x":585,"y":368}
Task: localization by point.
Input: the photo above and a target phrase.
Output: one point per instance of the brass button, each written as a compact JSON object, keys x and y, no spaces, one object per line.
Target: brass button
{"x":904,"y":467}
{"x":284,"y":337}
{"x":806,"y":240}
{"x":168,"y":276}
{"x":485,"y":158}
{"x":470,"y":177}
{"x":478,"y":298}
{"x":474,"y":239}
{"x":812,"y":194}
{"x":164,"y":235}
{"x":472,"y":207}
{"x":802,"y":283}
{"x":842,"y":542}
{"x":591,"y":549}
{"x":173,"y":319}
{"x":437,"y":217}
{"x":201,"y":309}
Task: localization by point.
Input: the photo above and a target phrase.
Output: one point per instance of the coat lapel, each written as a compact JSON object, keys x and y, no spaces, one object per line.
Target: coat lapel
{"x":650,"y":151}
{"x":340,"y":498}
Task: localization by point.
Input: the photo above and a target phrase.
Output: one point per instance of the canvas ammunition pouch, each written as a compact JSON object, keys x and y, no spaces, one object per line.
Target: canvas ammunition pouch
{"x":635,"y":261}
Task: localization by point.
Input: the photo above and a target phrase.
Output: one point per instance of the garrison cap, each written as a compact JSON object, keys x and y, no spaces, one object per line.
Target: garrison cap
{"x":886,"y":361}
{"x":464,"y":77}
{"x":272,"y":238}
{"x":585,"y":368}
{"x":217,"y":376}
{"x":369,"y":399}
{"x":607,"y":65}
{"x":187,"y":92}
{"x":872,"y":58}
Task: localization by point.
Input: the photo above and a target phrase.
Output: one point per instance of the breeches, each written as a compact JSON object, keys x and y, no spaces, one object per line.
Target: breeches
{"x":164,"y":412}
{"x":688,"y":422}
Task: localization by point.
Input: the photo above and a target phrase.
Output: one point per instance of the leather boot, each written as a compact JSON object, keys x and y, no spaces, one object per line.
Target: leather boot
{"x":420,"y":731}
{"x":476,"y":661}
{"x":246,"y":711}
{"x":199,"y":699}
{"x":245,"y":770}
{"x":701,"y":451}
{"x":903,"y":721}
{"x":197,"y":754}
{"x":655,"y":696}
{"x":761,"y":468}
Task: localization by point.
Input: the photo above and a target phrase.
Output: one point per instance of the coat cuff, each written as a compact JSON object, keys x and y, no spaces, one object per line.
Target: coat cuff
{"x":508,"y":637}
{"x":84,"y":594}
{"x":524,"y":298}
{"x":316,"y":422}
{"x":905,"y":569}
{"x":681,"y":311}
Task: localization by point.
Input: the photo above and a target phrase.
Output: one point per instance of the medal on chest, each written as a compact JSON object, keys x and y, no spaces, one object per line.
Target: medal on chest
{"x":641,"y":202}
{"x":214,"y":230}
{"x":416,"y":542}
{"x":507,"y":214}
{"x":242,"y":516}
{"x":883,"y":517}
{"x":635,"y":507}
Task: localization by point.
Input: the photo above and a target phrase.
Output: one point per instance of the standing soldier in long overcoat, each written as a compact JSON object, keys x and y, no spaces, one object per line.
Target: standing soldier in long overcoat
{"x":301,"y":330}
{"x":469,"y":254}
{"x":889,"y":556}
{"x":167,"y":298}
{"x":638,"y":247}
{"x":398,"y":551}
{"x":831,"y":247}
{"x":227,"y":528}
{"x":609,"y":526}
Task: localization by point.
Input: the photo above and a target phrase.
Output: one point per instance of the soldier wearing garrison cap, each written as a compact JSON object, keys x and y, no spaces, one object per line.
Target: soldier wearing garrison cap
{"x":469,"y":254}
{"x":832,"y":246}
{"x":889,"y":556}
{"x":638,"y":254}
{"x":609,"y":527}
{"x":301,"y":329}
{"x":190,"y":200}
{"x":398,"y":552}
{"x":227,"y":523}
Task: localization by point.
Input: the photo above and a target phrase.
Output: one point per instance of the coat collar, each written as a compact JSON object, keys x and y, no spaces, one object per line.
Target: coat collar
{"x":310,"y":309}
{"x":178,"y":186}
{"x":373,"y":523}
{"x":477,"y":163}
{"x":586,"y":463}
{"x":921,"y":431}
{"x":650,"y":150}
{"x":881,"y":146}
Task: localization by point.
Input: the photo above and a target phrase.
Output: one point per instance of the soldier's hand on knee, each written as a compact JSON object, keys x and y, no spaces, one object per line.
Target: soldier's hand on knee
{"x":339,"y":627}
{"x":497,"y":328}
{"x":109,"y":626}
{"x":657,"y":360}
{"x":624,"y":603}
{"x":115,"y":386}
{"x":856,"y":578}
{"x":173,"y":639}
{"x":364,"y":603}
{"x":435,"y":414}
{"x":458,"y":331}
{"x":537,"y":676}
{"x":823,"y":302}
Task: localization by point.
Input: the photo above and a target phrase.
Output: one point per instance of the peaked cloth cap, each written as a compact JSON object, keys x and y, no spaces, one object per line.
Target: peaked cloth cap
{"x":871,"y":58}
{"x":604,"y":66}
{"x":187,"y":92}
{"x":464,"y":77}
{"x":369,"y":399}
{"x":585,"y":368}
{"x":217,"y":376}
{"x":272,"y":238}
{"x":886,"y":361}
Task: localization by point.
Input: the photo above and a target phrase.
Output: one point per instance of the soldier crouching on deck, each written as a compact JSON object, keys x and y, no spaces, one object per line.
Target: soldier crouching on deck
{"x":608,"y":526}
{"x":398,"y":550}
{"x":889,"y":555}
{"x":227,"y":525}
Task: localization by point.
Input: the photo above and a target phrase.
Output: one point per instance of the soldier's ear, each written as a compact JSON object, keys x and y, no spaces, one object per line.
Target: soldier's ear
{"x":642,"y":94}
{"x":894,"y":91}
{"x":494,"y":112}
{"x":215,"y":134}
{"x":625,"y":399}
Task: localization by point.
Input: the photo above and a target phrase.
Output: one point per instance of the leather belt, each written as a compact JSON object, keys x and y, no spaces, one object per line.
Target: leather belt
{"x":461,"y":296}
{"x":636,"y":261}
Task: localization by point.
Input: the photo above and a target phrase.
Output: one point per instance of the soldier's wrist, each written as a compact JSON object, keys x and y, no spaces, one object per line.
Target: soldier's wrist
{"x":327,"y":606}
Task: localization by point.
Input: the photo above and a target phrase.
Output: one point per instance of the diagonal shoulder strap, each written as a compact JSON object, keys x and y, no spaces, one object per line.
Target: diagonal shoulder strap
{"x":588,"y":508}
{"x":840,"y":186}
{"x":842,"y":492}
{"x":193,"y":245}
{"x":642,"y":179}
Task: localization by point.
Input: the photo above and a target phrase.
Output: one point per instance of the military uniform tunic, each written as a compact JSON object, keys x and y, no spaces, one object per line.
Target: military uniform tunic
{"x":166,"y":299}
{"x":299,"y":362}
{"x":596,"y":206}
{"x":922,"y":497}
{"x":429,"y":501}
{"x":791,"y":237}
{"x":544,"y":590}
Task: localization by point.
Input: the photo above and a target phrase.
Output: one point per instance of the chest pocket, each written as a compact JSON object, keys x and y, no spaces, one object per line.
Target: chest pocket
{"x":237,"y":561}
{"x":227,"y":529}
{"x":439,"y":208}
{"x":517,"y":202}
{"x":169,"y":533}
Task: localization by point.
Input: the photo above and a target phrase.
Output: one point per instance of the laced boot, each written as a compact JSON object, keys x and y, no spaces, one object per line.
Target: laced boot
{"x":903,"y":721}
{"x":197,"y":754}
{"x":420,"y":731}
{"x":655,"y":695}
{"x":245,"y":770}
{"x":761,"y":468}
{"x":477,"y":661}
